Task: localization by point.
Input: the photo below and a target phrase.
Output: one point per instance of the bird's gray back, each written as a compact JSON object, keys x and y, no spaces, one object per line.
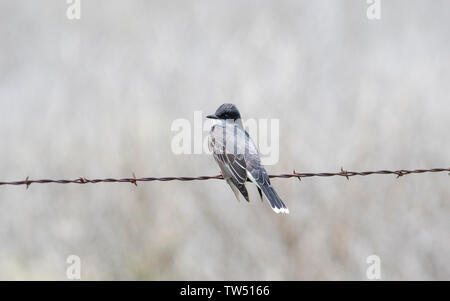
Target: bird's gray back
{"x":231,"y":145}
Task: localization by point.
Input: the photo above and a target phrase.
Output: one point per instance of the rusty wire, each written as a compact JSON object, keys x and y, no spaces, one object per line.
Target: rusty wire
{"x":342,"y":173}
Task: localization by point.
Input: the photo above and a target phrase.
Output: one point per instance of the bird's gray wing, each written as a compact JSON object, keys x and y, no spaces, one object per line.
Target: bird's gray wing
{"x":229,"y":155}
{"x":258,"y":175}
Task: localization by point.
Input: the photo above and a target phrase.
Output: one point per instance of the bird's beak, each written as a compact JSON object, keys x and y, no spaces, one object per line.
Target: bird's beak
{"x":211,"y":116}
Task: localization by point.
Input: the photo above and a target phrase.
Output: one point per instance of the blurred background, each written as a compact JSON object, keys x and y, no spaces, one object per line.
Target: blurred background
{"x":96,"y":97}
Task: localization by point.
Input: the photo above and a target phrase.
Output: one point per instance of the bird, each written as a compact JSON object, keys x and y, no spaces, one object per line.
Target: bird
{"x":238,"y":157}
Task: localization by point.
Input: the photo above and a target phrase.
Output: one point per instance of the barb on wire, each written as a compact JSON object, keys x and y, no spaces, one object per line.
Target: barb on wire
{"x":343,"y":173}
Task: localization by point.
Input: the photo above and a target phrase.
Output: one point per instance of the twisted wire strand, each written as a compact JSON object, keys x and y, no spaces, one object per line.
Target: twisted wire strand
{"x":342,"y":173}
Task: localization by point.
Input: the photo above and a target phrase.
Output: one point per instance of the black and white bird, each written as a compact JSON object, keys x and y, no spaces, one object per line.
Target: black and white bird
{"x":238,"y":157}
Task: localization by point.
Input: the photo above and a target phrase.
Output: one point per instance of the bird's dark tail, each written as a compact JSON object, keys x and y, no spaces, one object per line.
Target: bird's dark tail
{"x":274,"y":200}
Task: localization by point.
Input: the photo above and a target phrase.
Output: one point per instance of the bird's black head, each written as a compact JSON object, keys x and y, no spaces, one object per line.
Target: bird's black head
{"x":226,"y":111}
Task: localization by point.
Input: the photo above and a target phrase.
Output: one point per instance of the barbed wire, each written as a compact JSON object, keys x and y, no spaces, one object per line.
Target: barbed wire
{"x":134,"y":180}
